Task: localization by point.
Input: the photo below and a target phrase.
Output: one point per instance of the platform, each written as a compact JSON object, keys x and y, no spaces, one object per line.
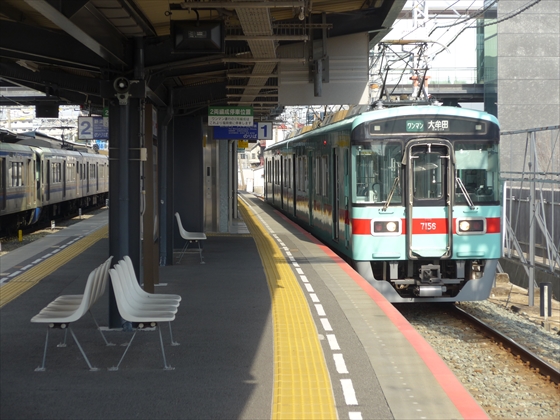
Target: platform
{"x":274,"y":325}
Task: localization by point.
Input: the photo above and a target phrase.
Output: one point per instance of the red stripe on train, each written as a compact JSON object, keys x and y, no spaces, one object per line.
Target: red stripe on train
{"x":424,"y":226}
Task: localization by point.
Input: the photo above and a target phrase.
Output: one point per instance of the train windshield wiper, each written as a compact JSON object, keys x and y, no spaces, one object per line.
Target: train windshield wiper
{"x":464,"y":191}
{"x":390,"y":196}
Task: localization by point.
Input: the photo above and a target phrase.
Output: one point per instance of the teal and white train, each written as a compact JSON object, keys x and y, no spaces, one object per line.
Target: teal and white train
{"x":409,"y":196}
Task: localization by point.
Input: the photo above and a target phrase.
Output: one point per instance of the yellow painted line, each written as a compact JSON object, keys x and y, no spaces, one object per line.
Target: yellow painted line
{"x":302,"y":385}
{"x":22,"y":283}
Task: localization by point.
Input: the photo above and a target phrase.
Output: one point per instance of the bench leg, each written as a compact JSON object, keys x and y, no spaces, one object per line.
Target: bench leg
{"x":173,"y":343}
{"x":91,"y":368}
{"x":63,"y":344}
{"x":183,"y":251}
{"x":42,"y":367}
{"x":200,"y":253}
{"x":125,"y":350}
{"x":165,"y":366}
{"x":101,"y":332}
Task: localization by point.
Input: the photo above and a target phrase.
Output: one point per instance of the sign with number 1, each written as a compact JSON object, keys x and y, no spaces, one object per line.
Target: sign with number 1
{"x":264,"y":130}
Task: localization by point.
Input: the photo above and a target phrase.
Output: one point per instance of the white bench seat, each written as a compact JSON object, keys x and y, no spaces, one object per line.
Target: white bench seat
{"x":62,"y":312}
{"x":140,"y":310}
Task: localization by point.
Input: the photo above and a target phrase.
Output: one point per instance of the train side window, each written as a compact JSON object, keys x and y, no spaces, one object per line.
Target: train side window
{"x":317,"y":176}
{"x":325,"y":176}
{"x":56,"y":172}
{"x":301,"y":173}
{"x":17,"y":174}
{"x":305,"y":175}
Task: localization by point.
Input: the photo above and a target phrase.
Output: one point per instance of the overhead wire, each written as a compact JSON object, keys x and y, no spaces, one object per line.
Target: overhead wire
{"x":507,"y":17}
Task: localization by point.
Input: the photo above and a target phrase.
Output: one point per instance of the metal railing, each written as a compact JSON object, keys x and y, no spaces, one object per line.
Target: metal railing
{"x":530,"y":170}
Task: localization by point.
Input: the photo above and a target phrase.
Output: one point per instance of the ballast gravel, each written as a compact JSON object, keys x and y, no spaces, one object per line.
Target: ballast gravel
{"x":503,"y":387}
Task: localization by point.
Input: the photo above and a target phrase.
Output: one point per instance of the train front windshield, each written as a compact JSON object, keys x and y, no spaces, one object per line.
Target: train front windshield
{"x":478,"y":169}
{"x":377,"y":168}
{"x":376,"y":176}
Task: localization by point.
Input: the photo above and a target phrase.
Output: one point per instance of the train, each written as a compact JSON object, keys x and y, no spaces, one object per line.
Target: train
{"x":409,"y":196}
{"x":41,"y":179}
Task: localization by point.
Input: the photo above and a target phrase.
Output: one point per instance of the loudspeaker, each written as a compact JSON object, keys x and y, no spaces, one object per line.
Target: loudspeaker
{"x":121,"y":85}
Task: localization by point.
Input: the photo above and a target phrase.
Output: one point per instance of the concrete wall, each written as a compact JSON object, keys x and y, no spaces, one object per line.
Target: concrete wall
{"x":529,"y":65}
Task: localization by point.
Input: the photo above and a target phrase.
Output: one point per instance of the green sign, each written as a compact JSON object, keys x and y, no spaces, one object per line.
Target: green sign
{"x":230,"y":116}
{"x":414,"y":126}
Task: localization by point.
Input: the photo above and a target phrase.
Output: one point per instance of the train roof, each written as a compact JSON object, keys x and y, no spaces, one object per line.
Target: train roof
{"x":42,"y":140}
{"x":14,"y":147}
{"x":394,"y":112}
{"x":19,"y":147}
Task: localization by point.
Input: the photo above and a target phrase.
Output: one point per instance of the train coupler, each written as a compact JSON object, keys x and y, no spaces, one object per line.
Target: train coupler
{"x":430,"y":273}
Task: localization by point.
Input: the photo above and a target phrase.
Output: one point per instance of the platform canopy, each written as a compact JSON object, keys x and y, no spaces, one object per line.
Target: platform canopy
{"x":189,"y":54}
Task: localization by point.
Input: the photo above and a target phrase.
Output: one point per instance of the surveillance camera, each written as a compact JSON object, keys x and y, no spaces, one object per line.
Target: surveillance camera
{"x":121,"y":84}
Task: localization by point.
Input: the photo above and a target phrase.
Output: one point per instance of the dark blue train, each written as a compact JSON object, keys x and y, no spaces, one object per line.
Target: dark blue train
{"x":42,"y":179}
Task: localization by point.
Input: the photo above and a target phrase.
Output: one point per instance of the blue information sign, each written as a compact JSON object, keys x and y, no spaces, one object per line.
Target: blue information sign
{"x":258,"y":131}
{"x":236,"y":133}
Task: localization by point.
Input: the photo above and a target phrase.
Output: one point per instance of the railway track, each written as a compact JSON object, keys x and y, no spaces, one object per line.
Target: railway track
{"x":9,"y":242}
{"x":531,"y":359}
{"x":513,"y":379}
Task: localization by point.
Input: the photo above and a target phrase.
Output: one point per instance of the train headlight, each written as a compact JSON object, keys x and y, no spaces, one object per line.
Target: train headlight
{"x":471,"y":226}
{"x":391,"y":226}
{"x":386,"y":227}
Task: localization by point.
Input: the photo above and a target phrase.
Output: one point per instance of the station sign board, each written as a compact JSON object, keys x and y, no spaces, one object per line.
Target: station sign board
{"x":90,"y":128}
{"x":230,"y":116}
{"x":258,"y":131}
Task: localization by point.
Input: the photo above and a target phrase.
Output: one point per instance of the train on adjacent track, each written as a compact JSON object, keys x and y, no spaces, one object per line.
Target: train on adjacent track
{"x":40,"y":180}
{"x":410,"y":196}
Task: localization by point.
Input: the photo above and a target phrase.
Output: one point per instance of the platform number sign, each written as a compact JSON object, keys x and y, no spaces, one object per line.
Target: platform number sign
{"x":90,"y":128}
{"x":264,"y":130}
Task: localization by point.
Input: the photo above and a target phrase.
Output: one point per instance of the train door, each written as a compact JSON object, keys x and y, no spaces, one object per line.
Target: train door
{"x":346,"y":196}
{"x":310,"y":185}
{"x":281,"y":181}
{"x":78,"y":178}
{"x":293,"y":184}
{"x":37,"y":173}
{"x":335,"y":195}
{"x":429,"y":225}
{"x":87,"y":165}
{"x":2,"y":184}
{"x":48,"y":181}
{"x":29,"y":184}
{"x":64,"y":178}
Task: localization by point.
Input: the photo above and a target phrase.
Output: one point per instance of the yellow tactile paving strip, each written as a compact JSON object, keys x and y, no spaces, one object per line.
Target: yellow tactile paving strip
{"x":34,"y":275}
{"x":302,"y":386}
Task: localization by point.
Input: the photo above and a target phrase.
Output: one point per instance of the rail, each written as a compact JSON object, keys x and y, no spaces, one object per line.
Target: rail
{"x":516,"y":349}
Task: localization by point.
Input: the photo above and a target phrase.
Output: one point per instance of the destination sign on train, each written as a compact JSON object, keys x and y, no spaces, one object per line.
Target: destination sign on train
{"x":426,"y":125}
